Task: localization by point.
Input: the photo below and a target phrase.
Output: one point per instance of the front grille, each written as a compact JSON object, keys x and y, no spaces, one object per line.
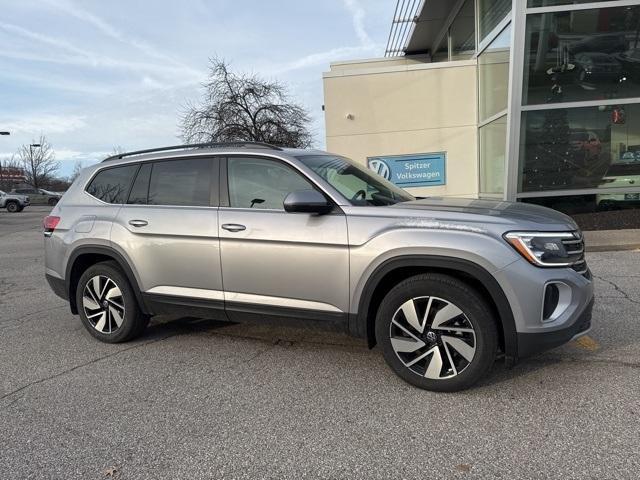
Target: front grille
{"x":575,"y":251}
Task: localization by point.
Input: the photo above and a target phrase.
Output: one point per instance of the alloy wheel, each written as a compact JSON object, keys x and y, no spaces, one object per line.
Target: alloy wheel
{"x":103,"y":304}
{"x":432,"y":337}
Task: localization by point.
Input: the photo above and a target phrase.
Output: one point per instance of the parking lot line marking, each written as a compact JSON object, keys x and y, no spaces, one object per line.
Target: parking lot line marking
{"x":587,"y":343}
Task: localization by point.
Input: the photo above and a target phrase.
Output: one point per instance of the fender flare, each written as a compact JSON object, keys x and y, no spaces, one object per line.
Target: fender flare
{"x":362,"y":326}
{"x":117,"y":257}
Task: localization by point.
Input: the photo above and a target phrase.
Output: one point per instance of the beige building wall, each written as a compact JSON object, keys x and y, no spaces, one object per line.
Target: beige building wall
{"x":401,"y":106}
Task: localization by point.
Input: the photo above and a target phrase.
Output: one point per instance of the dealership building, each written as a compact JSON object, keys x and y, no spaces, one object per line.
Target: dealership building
{"x":529,"y":100}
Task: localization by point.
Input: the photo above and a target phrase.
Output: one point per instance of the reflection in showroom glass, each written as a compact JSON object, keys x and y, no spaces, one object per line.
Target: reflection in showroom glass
{"x":581,"y":148}
{"x":582,"y":55}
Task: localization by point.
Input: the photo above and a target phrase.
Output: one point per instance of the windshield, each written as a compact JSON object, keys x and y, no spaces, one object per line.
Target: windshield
{"x":359,"y":185}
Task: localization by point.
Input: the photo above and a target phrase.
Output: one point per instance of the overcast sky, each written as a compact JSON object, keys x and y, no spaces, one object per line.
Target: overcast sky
{"x":92,"y":75}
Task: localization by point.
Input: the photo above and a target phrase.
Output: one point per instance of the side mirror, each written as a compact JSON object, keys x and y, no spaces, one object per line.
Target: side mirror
{"x":307,"y":201}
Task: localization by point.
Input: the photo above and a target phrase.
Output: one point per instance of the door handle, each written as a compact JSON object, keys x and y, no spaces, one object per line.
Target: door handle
{"x":138,"y":223}
{"x":234,"y":227}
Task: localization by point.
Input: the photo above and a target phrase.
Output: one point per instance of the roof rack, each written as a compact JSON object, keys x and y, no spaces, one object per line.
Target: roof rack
{"x":193,"y":145}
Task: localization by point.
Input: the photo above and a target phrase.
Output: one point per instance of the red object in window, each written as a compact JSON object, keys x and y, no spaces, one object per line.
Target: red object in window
{"x":618,"y":116}
{"x":50,"y":223}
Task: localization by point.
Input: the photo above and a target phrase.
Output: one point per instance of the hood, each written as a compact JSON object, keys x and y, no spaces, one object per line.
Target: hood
{"x":514,"y":214}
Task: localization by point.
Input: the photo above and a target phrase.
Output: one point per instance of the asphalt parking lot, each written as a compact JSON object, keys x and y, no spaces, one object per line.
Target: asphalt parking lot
{"x":197,"y":399}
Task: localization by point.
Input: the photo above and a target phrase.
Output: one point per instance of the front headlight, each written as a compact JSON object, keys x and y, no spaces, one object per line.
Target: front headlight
{"x":547,"y":249}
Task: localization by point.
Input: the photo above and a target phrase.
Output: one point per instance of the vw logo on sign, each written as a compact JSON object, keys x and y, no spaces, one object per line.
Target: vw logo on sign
{"x":380,"y":167}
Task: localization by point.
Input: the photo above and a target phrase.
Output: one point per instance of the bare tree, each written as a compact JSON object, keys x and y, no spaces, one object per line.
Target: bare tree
{"x":244,"y":107}
{"x":39,"y":162}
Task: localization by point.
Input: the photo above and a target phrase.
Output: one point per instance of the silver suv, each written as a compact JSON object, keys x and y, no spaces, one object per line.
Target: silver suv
{"x":250,"y":231}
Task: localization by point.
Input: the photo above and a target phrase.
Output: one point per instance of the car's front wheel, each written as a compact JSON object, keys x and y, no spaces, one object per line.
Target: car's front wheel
{"x":107,"y":304}
{"x":437,"y":332}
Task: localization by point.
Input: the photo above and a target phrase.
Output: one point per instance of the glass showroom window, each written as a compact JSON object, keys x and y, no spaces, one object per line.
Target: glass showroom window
{"x":582,"y":148}
{"x":493,"y":76}
{"x":493,"y":145}
{"x":549,"y":3}
{"x":463,"y":33}
{"x":442,"y":52}
{"x":582,"y":55}
{"x":490,"y":14}
{"x":493,"y":91}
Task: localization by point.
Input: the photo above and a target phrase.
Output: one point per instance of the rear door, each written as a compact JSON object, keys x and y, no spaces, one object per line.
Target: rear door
{"x":169,"y":231}
{"x":273,"y":262}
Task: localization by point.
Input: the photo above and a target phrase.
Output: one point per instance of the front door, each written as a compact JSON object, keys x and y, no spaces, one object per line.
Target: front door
{"x":287,"y":264}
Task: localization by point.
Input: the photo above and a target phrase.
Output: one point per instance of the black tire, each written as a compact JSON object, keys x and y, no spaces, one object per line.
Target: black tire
{"x":444,"y":290}
{"x":133,"y":321}
{"x":52,"y":201}
{"x":12,"y":207}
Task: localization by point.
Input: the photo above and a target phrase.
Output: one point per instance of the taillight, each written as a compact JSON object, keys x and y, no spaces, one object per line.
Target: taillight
{"x":50,"y":223}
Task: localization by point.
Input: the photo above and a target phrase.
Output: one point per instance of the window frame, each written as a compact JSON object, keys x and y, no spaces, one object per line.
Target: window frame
{"x":214,"y":190}
{"x":225,"y":200}
{"x":111,"y":167}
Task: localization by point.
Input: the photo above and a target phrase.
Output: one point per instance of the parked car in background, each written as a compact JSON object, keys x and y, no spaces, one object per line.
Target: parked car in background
{"x":13,"y":202}
{"x":600,"y":43}
{"x":39,"y":196}
{"x":630,"y":61}
{"x":444,"y":286}
{"x":596,"y":67}
{"x":623,"y":175}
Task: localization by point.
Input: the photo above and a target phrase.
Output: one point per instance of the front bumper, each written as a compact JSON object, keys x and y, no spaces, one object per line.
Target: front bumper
{"x":532,"y":343}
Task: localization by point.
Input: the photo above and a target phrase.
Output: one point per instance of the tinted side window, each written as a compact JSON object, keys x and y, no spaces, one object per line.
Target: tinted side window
{"x":140,"y":188}
{"x":260,"y":183}
{"x":181,"y":182}
{"x":111,"y":185}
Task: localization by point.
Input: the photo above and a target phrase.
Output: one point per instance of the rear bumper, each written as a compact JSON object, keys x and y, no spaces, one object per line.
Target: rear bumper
{"x":58,"y":286}
{"x":532,"y":343}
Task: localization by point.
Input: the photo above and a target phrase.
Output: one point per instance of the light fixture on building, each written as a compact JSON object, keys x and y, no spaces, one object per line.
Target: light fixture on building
{"x":350,"y":116}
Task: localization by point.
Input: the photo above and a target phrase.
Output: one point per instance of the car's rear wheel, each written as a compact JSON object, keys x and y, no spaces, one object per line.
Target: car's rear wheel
{"x":437,"y":332}
{"x":52,"y":201}
{"x":107,"y":304}
{"x":13,"y":207}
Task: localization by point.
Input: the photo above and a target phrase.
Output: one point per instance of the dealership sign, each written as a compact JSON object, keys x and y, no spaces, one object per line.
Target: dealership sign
{"x":417,"y":170}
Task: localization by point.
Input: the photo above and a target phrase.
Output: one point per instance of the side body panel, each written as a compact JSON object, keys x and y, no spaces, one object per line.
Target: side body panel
{"x":84,"y":221}
{"x":377,"y":239}
{"x":297,"y":261}
{"x":176,"y":252}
